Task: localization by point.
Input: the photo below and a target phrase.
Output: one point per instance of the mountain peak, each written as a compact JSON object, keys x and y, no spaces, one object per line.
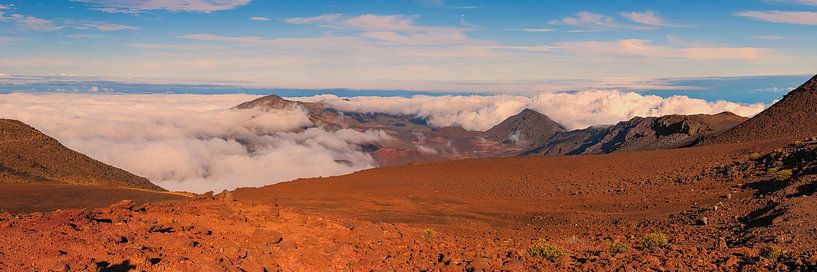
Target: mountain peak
{"x":526,"y":126}
{"x":791,"y":117}
{"x":29,"y":156}
{"x":268,"y":102}
{"x":808,"y":86}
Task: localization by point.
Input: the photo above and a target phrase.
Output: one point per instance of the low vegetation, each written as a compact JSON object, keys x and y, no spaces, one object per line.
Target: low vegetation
{"x":546,"y":250}
{"x":654,"y":240}
{"x":783,"y":175}
{"x":772,"y":252}
{"x":429,"y":232}
{"x":619,"y":247}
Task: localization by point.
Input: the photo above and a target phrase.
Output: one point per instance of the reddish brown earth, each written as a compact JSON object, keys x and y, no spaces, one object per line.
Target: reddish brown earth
{"x":792,"y":117}
{"x":746,"y":206}
{"x":27,"y":156}
{"x":24,"y":198}
{"x":460,"y":215}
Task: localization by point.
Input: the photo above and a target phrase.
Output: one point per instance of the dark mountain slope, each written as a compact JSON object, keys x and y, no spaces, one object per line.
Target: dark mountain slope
{"x":639,"y":134}
{"x":28,"y":156}
{"x":528,"y":126}
{"x":795,"y":116}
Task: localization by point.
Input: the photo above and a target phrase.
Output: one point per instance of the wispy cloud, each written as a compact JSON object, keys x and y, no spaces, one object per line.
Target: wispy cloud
{"x":126,"y":6}
{"x":532,"y":30}
{"x":98,"y":26}
{"x":258,"y":18}
{"x":643,"y":48}
{"x":647,"y":18}
{"x":39,"y":24}
{"x":801,"y":2}
{"x":769,"y":37}
{"x":782,"y":17}
{"x":84,"y":36}
{"x":28,"y":22}
{"x":320,"y":19}
{"x":590,"y":20}
{"x":398,"y":29}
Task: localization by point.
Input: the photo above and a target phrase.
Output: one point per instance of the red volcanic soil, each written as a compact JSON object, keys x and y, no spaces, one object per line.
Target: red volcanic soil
{"x":23,"y":198}
{"x":697,"y":209}
{"x":792,"y":117}
{"x":514,"y":189}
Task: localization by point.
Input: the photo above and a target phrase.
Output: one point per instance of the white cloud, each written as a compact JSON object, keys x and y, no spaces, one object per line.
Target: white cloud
{"x":573,"y":110}
{"x":84,"y":36}
{"x":646,"y":18}
{"x":395,"y":29}
{"x":782,"y":17}
{"x":643,"y":48}
{"x":196,"y":143}
{"x":596,"y":21}
{"x":39,"y":24}
{"x":802,"y":2}
{"x":533,"y":30}
{"x":320,"y":19}
{"x":192,"y":142}
{"x":257,"y":18}
{"x":769,"y":37}
{"x":98,"y":26}
{"x":29,"y":22}
{"x":128,"y":6}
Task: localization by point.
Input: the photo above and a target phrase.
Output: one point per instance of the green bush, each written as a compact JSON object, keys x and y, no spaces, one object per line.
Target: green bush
{"x":429,"y":232}
{"x":653,"y":240}
{"x":546,"y":250}
{"x":772,"y":252}
{"x":619,"y":247}
{"x":783,"y":175}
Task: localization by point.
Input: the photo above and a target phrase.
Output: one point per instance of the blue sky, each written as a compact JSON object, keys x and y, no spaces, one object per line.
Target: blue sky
{"x":434,"y":45}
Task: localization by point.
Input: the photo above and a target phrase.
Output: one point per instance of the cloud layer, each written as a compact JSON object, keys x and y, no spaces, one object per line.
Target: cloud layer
{"x":196,"y":143}
{"x":573,"y":110}
{"x":192,"y":142}
{"x":129,"y":6}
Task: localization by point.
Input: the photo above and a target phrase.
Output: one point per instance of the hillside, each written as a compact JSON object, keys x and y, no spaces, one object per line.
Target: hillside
{"x":792,"y":117}
{"x":28,"y":156}
{"x":528,"y":126}
{"x":639,"y":134}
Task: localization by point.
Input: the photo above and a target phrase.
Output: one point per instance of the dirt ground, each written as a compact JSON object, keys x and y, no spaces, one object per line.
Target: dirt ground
{"x":708,"y":208}
{"x":25,"y":198}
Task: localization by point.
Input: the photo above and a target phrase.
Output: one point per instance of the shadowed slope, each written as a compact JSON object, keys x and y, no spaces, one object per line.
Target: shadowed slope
{"x":28,"y":156}
{"x":527,"y":126}
{"x":795,"y":116}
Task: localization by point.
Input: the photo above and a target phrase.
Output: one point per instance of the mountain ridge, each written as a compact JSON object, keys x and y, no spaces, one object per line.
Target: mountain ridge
{"x":794,"y":116}
{"x":27,"y":156}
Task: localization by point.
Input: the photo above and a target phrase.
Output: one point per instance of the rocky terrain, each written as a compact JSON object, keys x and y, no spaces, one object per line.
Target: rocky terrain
{"x":526,"y":128}
{"x":412,"y":138}
{"x":792,"y":117}
{"x":638,"y":134}
{"x":28,"y":156}
{"x":526,"y":133}
{"x":727,"y":211}
{"x":742,"y":206}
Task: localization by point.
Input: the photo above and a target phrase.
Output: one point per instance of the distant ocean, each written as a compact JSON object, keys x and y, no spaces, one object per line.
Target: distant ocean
{"x":753,"y":89}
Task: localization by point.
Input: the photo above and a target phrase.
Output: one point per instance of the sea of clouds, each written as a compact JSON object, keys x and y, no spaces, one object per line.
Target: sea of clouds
{"x":575,"y":110}
{"x":198,"y":143}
